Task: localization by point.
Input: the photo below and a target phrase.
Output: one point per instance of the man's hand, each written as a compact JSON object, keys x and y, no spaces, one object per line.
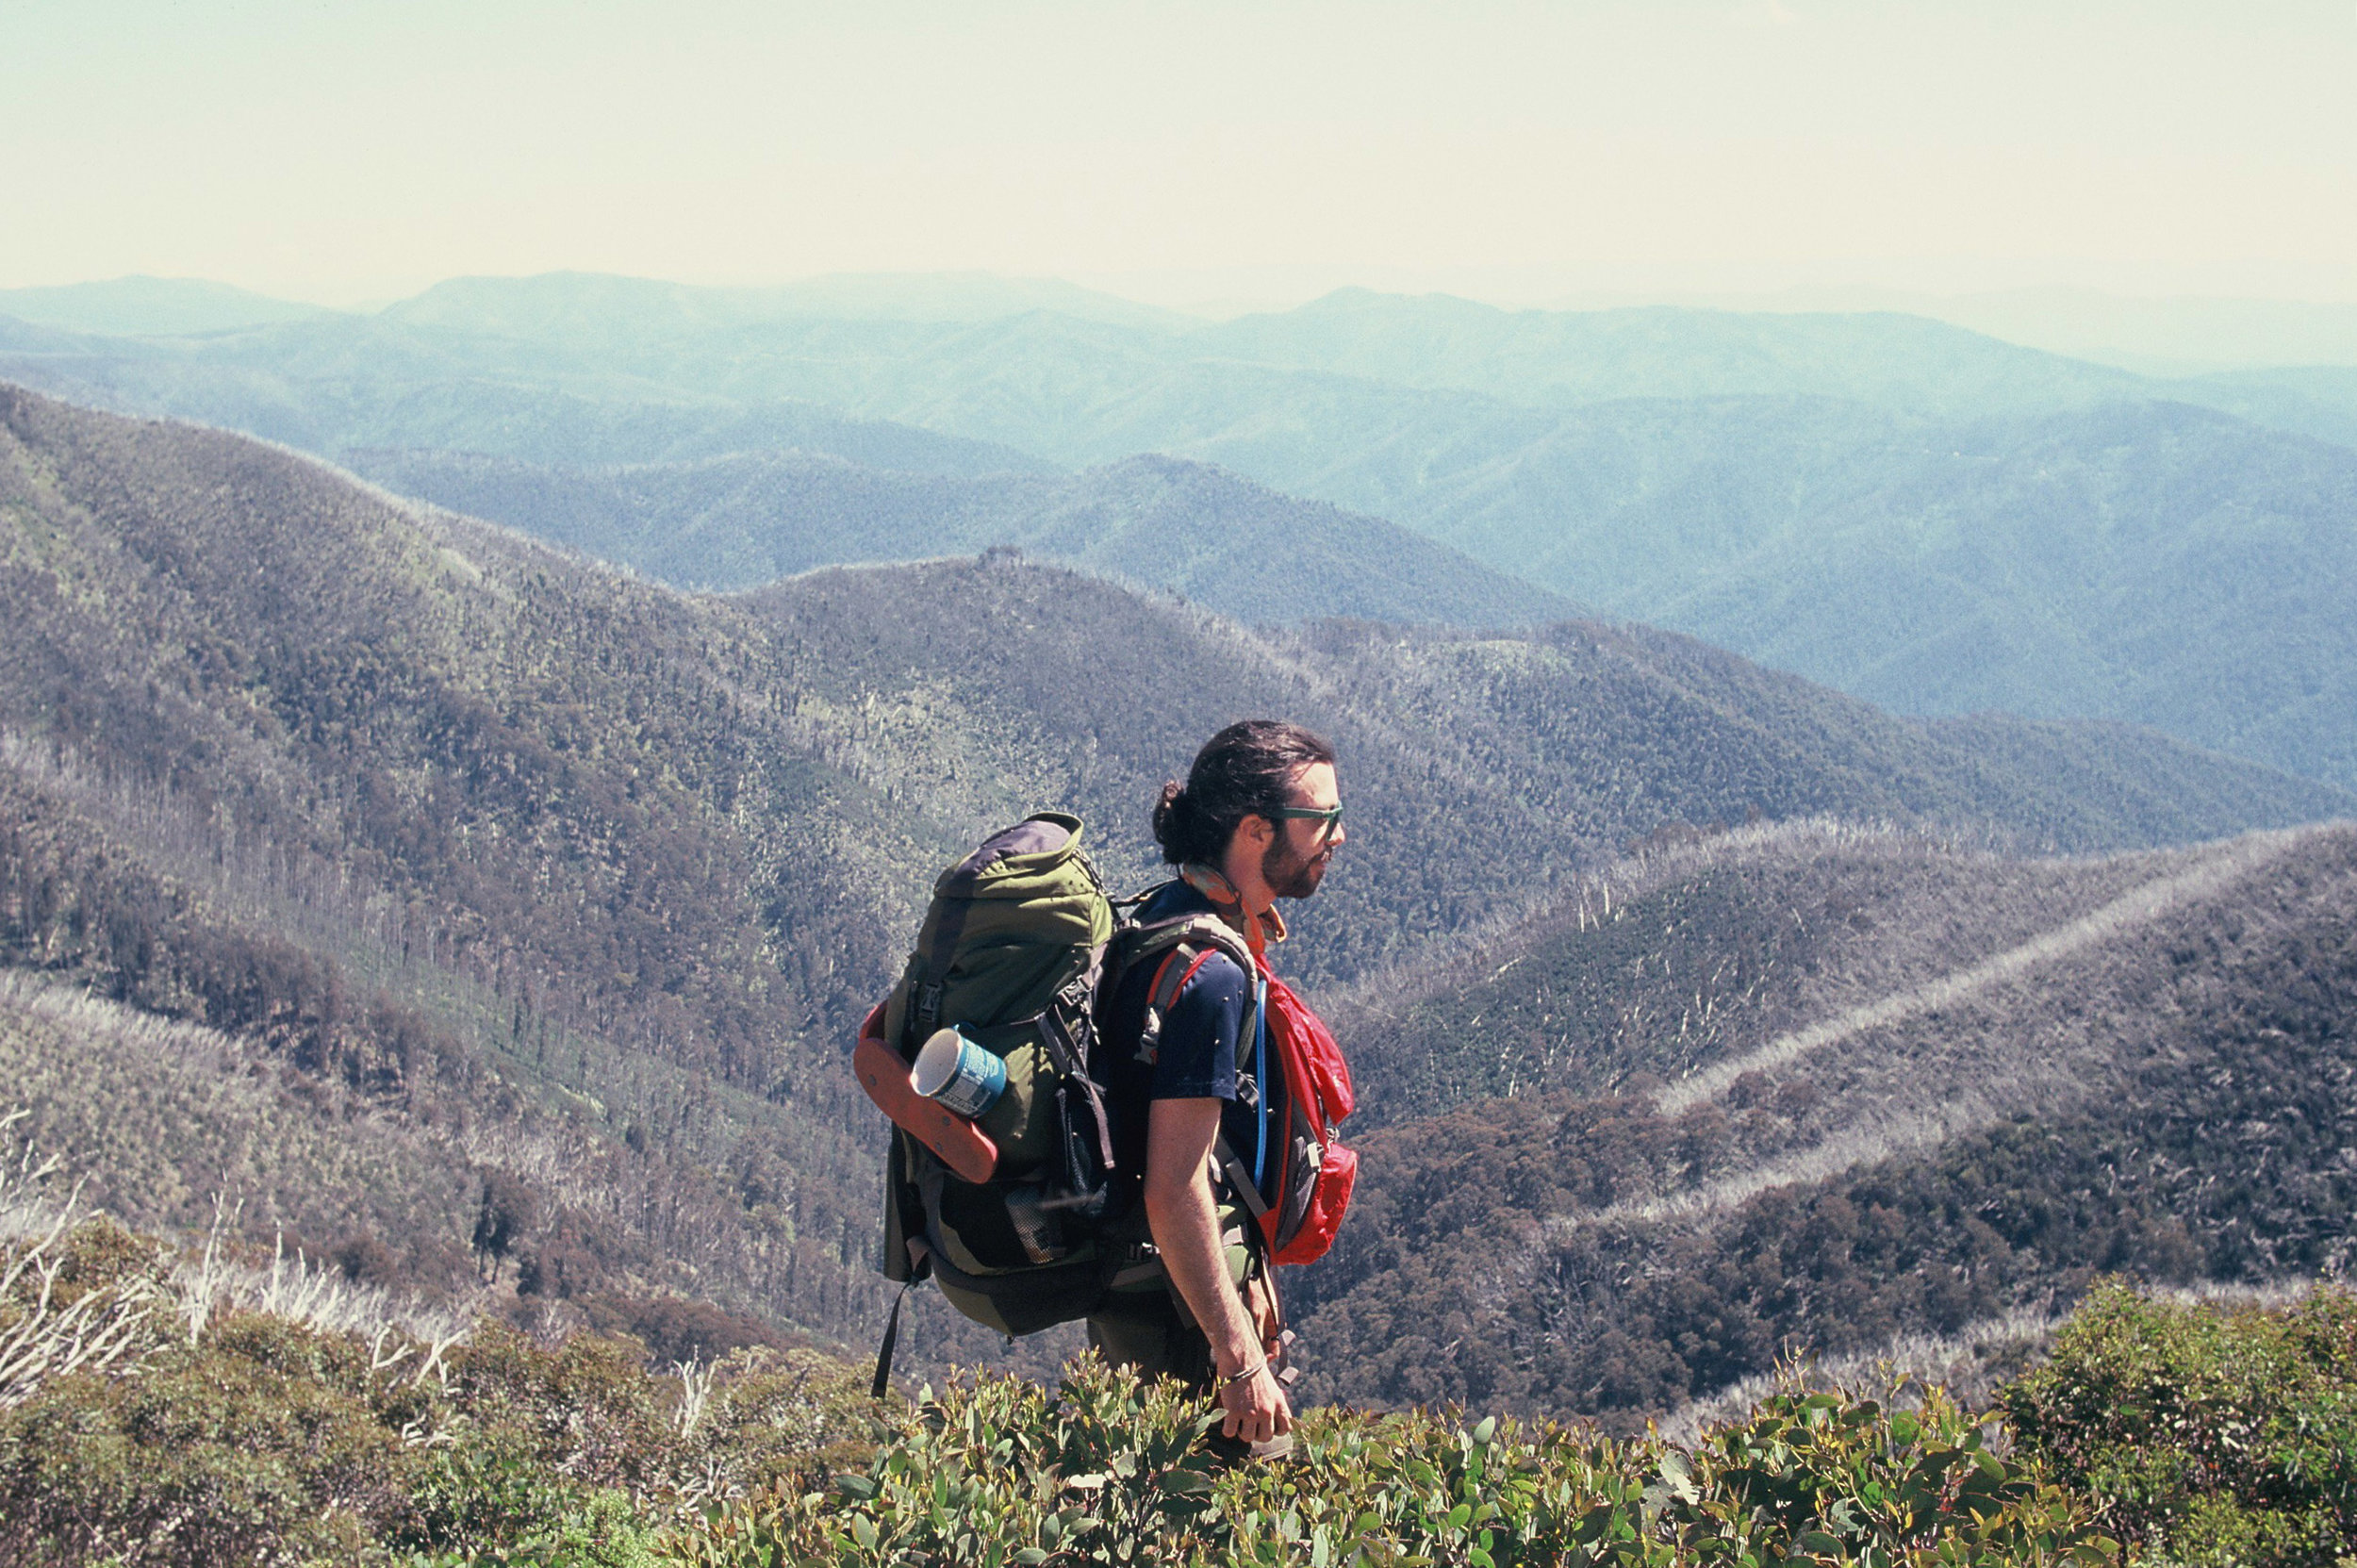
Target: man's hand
{"x":1185,"y":1221}
{"x":1256,"y":1408}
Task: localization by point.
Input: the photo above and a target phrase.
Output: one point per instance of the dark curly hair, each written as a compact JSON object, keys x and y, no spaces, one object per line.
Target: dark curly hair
{"x":1247,"y":770}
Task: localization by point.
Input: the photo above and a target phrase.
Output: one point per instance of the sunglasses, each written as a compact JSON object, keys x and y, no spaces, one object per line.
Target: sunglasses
{"x":1330,"y":816}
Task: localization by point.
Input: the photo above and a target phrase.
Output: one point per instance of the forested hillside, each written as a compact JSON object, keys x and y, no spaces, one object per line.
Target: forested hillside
{"x":1848,"y":1092}
{"x":536,"y":902}
{"x":2146,"y":561}
{"x":2308,"y":399}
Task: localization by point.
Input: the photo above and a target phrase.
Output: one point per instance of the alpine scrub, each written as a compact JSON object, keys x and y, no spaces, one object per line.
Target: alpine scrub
{"x":2205,"y":1434}
{"x":223,"y":1437}
{"x":996,"y":1472}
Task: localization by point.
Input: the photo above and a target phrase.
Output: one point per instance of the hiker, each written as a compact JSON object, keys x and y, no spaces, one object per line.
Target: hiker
{"x":1061,"y":1080}
{"x":1258,"y":819}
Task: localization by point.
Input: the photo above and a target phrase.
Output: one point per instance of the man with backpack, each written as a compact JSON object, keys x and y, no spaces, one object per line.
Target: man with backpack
{"x":1259,"y":820}
{"x":1124,"y":1119}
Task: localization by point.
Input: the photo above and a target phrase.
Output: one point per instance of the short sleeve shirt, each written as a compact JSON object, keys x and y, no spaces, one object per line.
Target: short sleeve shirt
{"x":1198,"y":1056}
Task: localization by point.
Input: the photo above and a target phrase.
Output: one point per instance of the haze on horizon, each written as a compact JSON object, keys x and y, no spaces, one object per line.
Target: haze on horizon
{"x":1517,"y":152}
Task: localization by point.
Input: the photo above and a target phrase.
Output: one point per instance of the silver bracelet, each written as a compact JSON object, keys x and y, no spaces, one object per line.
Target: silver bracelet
{"x":1243,"y":1375}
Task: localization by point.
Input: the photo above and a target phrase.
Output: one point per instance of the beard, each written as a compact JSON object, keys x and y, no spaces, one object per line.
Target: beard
{"x":1291,"y":874}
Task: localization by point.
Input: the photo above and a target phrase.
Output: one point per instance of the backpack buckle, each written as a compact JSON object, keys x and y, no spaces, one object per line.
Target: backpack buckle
{"x":928,"y":1002}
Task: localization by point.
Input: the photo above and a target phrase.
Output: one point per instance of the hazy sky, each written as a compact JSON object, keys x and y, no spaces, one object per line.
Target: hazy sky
{"x":342,"y":152}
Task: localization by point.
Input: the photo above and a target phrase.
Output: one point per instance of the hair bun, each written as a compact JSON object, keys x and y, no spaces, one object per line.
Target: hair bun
{"x":1171,"y":812}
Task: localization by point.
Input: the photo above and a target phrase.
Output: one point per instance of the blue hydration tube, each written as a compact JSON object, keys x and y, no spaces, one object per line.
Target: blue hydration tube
{"x":1260,"y":1073}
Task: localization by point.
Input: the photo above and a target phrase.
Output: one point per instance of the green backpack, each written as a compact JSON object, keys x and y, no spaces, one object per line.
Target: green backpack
{"x":1009,"y":953}
{"x":1017,"y":946}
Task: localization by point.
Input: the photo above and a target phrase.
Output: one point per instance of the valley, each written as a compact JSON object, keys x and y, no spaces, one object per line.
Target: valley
{"x":493,"y":922}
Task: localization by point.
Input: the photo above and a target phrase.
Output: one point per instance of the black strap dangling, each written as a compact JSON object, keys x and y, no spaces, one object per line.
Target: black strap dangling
{"x":883,"y":1385}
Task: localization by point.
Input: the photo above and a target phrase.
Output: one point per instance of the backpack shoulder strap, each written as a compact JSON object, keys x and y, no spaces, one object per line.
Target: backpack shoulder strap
{"x":1178,"y":967}
{"x":1068,"y":1029}
{"x":1181,"y":947}
{"x":1200,"y":930}
{"x":1238,"y":1177}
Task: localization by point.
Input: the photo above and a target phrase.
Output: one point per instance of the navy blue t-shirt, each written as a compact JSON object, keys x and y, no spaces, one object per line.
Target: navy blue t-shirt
{"x":1199,"y":1056}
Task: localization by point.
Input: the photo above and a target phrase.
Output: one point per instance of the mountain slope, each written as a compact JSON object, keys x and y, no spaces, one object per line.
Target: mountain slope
{"x":2319,"y":401}
{"x":448,"y":832}
{"x":1826,"y":1088}
{"x":330,"y":388}
{"x":1560,"y":358}
{"x":2148,"y":562}
{"x":736,"y":522}
{"x":574,"y":881}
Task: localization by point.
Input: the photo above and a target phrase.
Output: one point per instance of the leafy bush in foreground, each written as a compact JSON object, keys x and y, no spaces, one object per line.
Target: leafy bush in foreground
{"x":999,"y":1472}
{"x":257,"y":1439}
{"x":2195,"y":1434}
{"x":2207,"y":1434}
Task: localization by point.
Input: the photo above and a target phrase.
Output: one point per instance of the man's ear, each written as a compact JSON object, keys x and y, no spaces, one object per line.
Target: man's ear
{"x":1257,"y":831}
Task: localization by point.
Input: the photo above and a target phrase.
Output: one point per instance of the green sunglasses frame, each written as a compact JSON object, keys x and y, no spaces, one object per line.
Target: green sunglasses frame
{"x":1328,"y":814}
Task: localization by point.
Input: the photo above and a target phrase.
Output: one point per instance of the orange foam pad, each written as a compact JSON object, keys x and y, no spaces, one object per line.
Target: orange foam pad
{"x":962,"y":1146}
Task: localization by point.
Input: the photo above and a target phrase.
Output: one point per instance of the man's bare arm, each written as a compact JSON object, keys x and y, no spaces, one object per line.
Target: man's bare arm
{"x":1185,"y":1220}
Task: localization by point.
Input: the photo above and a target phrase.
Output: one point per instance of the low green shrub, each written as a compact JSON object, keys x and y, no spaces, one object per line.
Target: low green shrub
{"x":997,"y":1472}
{"x":262,"y":1441}
{"x":2196,"y":1434}
{"x":260,"y":1438}
{"x":2206,"y":1434}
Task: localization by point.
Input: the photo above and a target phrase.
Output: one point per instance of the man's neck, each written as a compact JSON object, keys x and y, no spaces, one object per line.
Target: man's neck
{"x":1245,"y":902}
{"x":1253,"y":894}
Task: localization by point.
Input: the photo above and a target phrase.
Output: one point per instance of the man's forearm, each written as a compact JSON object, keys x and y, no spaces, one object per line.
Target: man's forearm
{"x":1186,"y":1231}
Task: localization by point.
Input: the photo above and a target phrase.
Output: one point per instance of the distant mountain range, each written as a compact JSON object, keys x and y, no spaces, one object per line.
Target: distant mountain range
{"x":448,"y":856}
{"x":737,"y":522}
{"x":2152,"y":561}
{"x":575,"y":308}
{"x":1932,"y":519}
{"x":150,"y":307}
{"x":2178,"y":335}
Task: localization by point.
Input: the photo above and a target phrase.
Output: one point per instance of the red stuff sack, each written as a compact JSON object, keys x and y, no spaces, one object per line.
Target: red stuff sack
{"x":1316,"y":1172}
